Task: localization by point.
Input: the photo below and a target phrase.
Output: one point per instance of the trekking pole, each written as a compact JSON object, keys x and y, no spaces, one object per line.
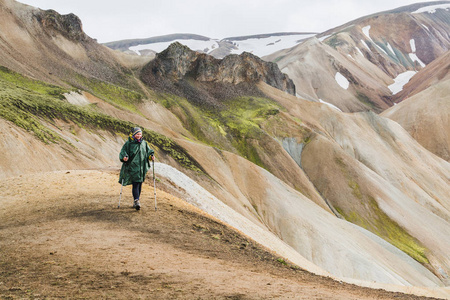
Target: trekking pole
{"x":121,"y":184}
{"x":154,"y":183}
{"x":120,"y":197}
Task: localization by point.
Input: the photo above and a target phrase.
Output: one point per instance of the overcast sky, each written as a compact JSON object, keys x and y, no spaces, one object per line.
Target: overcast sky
{"x":112,"y":20}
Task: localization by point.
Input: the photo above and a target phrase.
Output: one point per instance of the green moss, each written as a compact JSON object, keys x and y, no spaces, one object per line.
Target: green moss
{"x":355,"y":189}
{"x":365,"y":100}
{"x":389,"y":230}
{"x":237,"y":123}
{"x":113,"y":94}
{"x":27,"y":84}
{"x":242,"y":120}
{"x":307,"y":140}
{"x":371,"y":217}
{"x":333,"y":41}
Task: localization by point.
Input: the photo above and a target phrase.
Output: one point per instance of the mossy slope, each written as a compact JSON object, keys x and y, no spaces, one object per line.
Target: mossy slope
{"x":27,"y":102}
{"x":363,"y":210}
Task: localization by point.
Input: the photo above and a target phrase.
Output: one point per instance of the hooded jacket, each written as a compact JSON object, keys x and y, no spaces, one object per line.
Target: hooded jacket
{"x":138,"y":164}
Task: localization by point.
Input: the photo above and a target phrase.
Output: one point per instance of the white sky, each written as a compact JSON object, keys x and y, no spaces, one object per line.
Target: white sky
{"x":111,"y":20}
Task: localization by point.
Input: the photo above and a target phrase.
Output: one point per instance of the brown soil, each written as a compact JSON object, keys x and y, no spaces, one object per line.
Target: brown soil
{"x":62,"y":236}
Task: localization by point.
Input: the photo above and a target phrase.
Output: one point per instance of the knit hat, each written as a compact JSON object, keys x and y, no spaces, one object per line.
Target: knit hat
{"x":135,"y":130}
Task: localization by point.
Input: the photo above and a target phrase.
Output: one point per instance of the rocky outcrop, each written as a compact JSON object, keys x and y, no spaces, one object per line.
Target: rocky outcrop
{"x":178,"y":63}
{"x":68,"y":25}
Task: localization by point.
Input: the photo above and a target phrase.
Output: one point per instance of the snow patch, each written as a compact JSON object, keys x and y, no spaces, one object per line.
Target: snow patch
{"x":268,"y":45}
{"x":360,"y":52}
{"x":196,"y":45}
{"x":364,"y":43}
{"x":414,"y":57}
{"x":382,"y":50}
{"x":350,"y":56}
{"x":342,"y":81}
{"x":431,"y":9}
{"x":325,"y":37}
{"x":390,"y":48}
{"x":366,"y":30}
{"x":330,"y":105}
{"x":400,"y":81}
{"x":423,"y":25}
{"x":412,"y":42}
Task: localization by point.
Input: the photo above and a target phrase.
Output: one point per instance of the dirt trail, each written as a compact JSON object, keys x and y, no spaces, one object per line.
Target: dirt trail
{"x":62,"y":236}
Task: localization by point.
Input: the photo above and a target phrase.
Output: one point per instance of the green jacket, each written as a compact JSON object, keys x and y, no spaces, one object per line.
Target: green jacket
{"x":138,"y":164}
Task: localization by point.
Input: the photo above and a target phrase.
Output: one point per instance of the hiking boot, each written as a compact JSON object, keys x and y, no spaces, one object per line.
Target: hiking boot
{"x":136,"y":204}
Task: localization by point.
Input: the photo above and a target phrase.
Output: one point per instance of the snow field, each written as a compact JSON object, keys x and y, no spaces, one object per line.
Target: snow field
{"x":259,"y":47}
{"x":269,"y":45}
{"x":196,"y":45}
{"x":432,"y":8}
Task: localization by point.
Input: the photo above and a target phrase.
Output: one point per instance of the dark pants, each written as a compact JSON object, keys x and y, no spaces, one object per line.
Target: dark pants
{"x":137,"y":187}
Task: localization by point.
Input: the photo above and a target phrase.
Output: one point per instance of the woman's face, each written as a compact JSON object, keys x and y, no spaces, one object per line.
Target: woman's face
{"x":138,"y":135}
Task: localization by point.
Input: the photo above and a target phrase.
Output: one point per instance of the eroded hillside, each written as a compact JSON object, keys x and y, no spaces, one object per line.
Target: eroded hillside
{"x":359,"y":65}
{"x":298,"y":177}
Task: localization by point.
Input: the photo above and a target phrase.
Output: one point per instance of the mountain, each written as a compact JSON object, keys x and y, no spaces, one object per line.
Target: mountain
{"x":45,"y":45}
{"x":178,"y":63}
{"x":360,"y":65}
{"x":351,"y":196}
{"x":259,"y":45}
{"x":424,"y":107}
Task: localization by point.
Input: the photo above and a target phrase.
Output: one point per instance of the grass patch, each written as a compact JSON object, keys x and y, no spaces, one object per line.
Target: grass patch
{"x":111,"y":93}
{"x":27,"y":84}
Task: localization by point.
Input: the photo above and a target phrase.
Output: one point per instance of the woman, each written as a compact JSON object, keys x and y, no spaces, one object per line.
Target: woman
{"x":135,"y":155}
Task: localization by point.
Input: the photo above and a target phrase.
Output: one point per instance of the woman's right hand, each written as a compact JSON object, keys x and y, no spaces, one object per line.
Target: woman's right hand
{"x":125,"y":158}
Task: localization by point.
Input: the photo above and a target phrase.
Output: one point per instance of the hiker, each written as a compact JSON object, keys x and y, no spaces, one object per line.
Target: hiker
{"x":135,"y":155}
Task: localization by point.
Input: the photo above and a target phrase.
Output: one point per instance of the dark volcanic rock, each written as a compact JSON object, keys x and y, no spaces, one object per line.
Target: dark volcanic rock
{"x":178,"y":63}
{"x":69,"y":25}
